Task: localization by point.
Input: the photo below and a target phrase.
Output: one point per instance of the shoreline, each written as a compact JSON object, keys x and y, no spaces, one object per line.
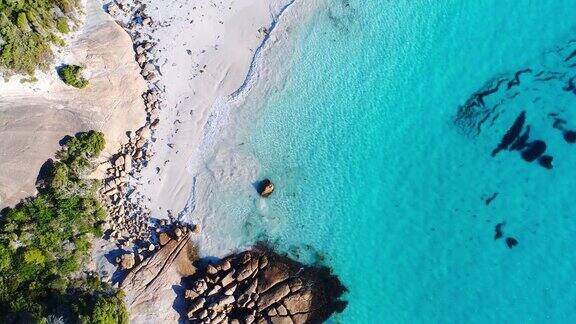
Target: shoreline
{"x":135,"y":204}
{"x":145,"y":189}
{"x":232,"y":115}
{"x":209,"y":89}
{"x":193,"y":111}
{"x":253,"y":63}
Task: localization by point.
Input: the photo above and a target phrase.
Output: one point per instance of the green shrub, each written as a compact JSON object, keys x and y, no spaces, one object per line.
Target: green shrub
{"x":45,"y":240}
{"x":22,"y":22}
{"x":29,"y":80}
{"x":72,"y":75}
{"x":57,"y":40}
{"x":26,"y":28}
{"x":62,"y":25}
{"x":108,"y":310}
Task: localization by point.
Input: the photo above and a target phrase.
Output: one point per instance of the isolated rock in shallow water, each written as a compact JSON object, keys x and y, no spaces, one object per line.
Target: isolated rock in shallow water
{"x":265,"y":188}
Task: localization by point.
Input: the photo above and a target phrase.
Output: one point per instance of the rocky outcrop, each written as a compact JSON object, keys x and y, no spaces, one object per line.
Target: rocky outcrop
{"x":34,"y":118}
{"x":260,"y":286}
{"x":128,"y":220}
{"x":155,"y":283}
{"x":128,"y":214}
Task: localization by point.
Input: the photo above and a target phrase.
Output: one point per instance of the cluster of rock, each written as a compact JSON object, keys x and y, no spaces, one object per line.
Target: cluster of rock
{"x":260,"y":286}
{"x":161,"y":235}
{"x":128,"y":218}
{"x":133,"y":9}
{"x":126,"y":221}
{"x":153,"y":287}
{"x":148,"y":68}
{"x":133,"y":14}
{"x":153,"y":105}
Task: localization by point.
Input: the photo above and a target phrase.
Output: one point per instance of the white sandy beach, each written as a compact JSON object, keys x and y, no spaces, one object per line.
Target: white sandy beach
{"x":210,"y":56}
{"x":204,"y":52}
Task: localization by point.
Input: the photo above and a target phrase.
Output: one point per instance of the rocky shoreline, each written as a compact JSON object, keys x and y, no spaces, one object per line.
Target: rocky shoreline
{"x":129,"y":224}
{"x":156,"y":256}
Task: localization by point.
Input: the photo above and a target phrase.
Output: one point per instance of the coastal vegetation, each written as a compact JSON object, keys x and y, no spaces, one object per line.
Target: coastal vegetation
{"x":72,"y":75}
{"x":28,"y":28}
{"x":45,"y":240}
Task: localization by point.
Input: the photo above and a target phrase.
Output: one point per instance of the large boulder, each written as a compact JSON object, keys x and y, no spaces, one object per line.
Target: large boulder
{"x":155,"y":283}
{"x":128,"y":163}
{"x":163,"y":239}
{"x":272,"y":275}
{"x":144,"y":132}
{"x":127,"y":261}
{"x":274,"y":295}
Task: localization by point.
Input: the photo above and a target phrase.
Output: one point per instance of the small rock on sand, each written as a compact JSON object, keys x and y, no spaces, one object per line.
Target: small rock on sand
{"x":144,"y":132}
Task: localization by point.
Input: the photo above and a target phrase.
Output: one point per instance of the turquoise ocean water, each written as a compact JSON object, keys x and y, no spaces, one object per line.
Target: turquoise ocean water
{"x":384,"y":172}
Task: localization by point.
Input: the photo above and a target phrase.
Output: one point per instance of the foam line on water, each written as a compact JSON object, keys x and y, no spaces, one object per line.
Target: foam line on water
{"x":249,"y":80}
{"x":219,"y":114}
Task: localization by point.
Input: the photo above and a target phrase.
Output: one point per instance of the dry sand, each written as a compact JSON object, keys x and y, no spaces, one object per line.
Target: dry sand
{"x":34,"y":118}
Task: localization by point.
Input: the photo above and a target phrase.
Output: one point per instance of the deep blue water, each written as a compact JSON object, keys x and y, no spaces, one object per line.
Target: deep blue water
{"x":380,"y":143}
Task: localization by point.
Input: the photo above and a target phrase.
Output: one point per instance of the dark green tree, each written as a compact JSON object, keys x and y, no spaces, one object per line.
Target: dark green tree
{"x":45,"y":239}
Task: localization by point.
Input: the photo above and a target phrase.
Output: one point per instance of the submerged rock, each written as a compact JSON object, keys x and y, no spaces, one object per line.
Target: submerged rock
{"x":263,"y":287}
{"x":265,"y":188}
{"x":546,"y":161}
{"x":520,"y":142}
{"x":511,"y":242}
{"x":534,"y":151}
{"x":498,"y":230}
{"x":570,"y":136}
{"x":512,"y":133}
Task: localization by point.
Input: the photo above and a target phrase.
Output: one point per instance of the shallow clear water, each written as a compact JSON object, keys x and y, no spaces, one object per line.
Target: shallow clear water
{"x":377,"y":176}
